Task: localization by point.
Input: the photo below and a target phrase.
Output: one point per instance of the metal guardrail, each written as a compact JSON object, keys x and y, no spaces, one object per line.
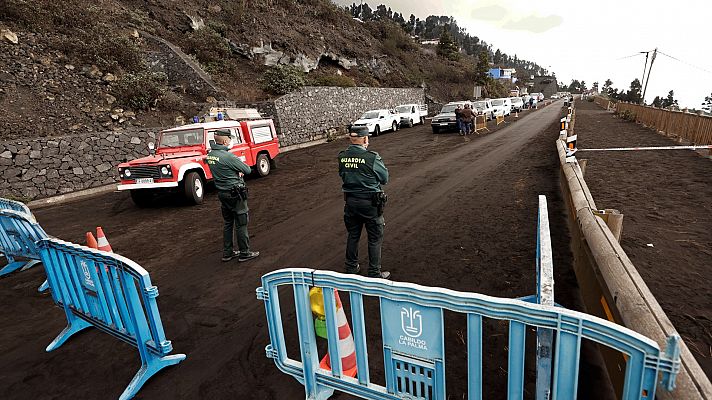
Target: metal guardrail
{"x":413,"y":337}
{"x":113,"y":294}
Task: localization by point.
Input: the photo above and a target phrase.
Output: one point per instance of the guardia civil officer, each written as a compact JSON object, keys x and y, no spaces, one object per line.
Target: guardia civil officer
{"x":228,"y":171}
{"x":363,"y":172}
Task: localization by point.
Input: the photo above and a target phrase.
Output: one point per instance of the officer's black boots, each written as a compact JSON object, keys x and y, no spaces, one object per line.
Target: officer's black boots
{"x":248,"y":256}
{"x":382,"y":275}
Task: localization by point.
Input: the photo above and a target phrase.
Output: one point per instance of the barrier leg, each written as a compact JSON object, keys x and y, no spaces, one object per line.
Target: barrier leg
{"x":30,"y":264}
{"x":149,"y":367}
{"x":75,"y":325}
{"x":44,"y":286}
{"x":11,"y":266}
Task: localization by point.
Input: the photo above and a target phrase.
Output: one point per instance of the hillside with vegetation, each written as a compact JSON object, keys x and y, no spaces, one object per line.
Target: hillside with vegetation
{"x":77,"y":66}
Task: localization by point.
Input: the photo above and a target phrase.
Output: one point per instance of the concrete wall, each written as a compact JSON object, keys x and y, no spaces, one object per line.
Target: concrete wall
{"x":48,"y":166}
{"x":44,"y":167}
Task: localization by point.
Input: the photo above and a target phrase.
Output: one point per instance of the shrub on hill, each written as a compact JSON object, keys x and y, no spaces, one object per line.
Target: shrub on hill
{"x":282,"y":79}
{"x":140,"y":91}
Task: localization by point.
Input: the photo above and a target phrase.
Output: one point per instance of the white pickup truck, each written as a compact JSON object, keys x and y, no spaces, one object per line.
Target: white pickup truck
{"x":378,"y":121}
{"x":411,"y":114}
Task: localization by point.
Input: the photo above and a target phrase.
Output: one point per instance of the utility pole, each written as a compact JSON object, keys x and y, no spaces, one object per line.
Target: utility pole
{"x":645,"y":67}
{"x":652,"y":60}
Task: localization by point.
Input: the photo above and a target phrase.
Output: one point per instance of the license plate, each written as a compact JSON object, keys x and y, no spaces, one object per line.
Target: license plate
{"x":443,"y":124}
{"x":144,"y":180}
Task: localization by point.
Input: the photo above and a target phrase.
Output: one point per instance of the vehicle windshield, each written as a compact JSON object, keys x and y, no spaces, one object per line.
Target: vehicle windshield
{"x":497,"y":102}
{"x":448,"y":108}
{"x":370,"y":115}
{"x":403,"y":109}
{"x":481,"y":104}
{"x":188,"y":137}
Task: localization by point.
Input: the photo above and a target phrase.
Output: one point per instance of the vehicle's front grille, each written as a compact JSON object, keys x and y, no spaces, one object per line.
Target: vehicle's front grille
{"x":144,"y":172}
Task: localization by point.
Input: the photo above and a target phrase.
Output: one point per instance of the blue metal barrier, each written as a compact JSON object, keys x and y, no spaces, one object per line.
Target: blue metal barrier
{"x":18,"y":234}
{"x":113,"y":294}
{"x":413,"y":336}
{"x":7,"y":204}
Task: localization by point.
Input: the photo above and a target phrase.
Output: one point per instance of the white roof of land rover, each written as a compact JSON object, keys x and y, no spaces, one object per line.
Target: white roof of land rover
{"x":206,"y":125}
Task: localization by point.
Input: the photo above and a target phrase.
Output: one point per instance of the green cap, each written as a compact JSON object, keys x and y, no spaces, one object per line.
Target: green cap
{"x":223,"y":132}
{"x":359,"y":131}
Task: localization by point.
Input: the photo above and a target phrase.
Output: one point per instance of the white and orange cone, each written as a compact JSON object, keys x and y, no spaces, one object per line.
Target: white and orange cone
{"x":102,"y":242}
{"x":347,"y":348}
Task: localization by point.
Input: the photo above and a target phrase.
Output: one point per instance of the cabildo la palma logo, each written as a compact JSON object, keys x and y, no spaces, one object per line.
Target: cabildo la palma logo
{"x":412,"y":325}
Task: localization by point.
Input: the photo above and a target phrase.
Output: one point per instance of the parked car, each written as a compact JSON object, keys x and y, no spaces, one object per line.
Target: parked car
{"x":554,"y":96}
{"x":538,"y":96}
{"x":411,"y":114}
{"x":484,"y":107}
{"x":378,"y":121}
{"x":445,"y":119}
{"x":502,"y":106}
{"x":178,"y":159}
{"x":517,"y":104}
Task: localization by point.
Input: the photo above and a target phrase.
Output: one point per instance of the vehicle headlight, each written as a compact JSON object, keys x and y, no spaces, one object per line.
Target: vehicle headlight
{"x":369,"y":124}
{"x":165,"y":170}
{"x":127,"y":173}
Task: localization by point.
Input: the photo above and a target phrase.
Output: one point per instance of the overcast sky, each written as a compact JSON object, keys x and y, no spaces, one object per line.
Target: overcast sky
{"x":588,"y":39}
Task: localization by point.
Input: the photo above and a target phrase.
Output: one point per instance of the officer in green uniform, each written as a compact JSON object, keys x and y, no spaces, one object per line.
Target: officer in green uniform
{"x":228,"y":171}
{"x":363,"y":173}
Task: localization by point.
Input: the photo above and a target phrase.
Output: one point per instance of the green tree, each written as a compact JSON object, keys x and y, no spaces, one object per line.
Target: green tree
{"x":707,"y":104}
{"x":657,"y":102}
{"x":497,"y":57}
{"x":669,"y":101}
{"x":634,"y":93}
{"x":447,"y":48}
{"x":482,"y":69}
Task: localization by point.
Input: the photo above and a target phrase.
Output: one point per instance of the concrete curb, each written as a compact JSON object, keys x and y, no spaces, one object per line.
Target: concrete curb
{"x":99,"y":190}
{"x":67,"y":197}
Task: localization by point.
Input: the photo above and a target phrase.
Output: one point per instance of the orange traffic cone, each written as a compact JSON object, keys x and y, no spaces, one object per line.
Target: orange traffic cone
{"x":346,"y":343}
{"x":91,"y":242}
{"x":102,"y":243}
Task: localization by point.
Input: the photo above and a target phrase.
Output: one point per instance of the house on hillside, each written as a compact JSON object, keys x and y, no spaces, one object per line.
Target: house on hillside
{"x":503,"y":73}
{"x":431,"y":41}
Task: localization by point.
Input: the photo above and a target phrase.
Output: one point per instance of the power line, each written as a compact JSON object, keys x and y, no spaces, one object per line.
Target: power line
{"x":632,"y":55}
{"x":686,"y":63}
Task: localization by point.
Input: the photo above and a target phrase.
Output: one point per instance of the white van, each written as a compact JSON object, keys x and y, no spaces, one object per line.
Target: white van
{"x":502,"y":106}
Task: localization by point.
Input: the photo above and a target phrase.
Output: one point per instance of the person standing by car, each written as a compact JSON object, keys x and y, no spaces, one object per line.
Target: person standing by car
{"x":458,"y":118}
{"x":362,"y":173}
{"x":228,"y":171}
{"x":466,"y":116}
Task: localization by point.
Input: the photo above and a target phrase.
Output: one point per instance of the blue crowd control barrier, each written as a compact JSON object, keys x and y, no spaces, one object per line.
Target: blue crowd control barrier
{"x":113,"y":294}
{"x":413,"y":336}
{"x":413,"y":339}
{"x":18,"y":234}
{"x":7,"y":204}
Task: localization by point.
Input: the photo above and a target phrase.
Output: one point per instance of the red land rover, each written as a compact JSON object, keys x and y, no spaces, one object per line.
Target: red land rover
{"x":178,"y":162}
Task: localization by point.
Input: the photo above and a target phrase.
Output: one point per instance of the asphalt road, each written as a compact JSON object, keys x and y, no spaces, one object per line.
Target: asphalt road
{"x":461,"y":215}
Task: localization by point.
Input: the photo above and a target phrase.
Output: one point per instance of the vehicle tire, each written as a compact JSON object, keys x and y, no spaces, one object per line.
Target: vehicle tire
{"x":263,"y":165}
{"x":377,"y":130}
{"x":410,"y":123}
{"x":193,"y":187}
{"x":142,"y":197}
{"x":422,"y":120}
{"x":436,"y":130}
{"x":394,"y":127}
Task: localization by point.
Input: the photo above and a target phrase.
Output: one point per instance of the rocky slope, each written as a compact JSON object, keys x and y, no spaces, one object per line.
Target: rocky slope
{"x":81,"y":66}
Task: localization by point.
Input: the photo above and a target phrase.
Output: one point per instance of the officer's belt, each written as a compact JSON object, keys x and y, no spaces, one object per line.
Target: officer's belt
{"x":365,"y":196}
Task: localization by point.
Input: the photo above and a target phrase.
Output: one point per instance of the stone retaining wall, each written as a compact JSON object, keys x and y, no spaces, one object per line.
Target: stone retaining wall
{"x":44,"y":167}
{"x":315,"y":113}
